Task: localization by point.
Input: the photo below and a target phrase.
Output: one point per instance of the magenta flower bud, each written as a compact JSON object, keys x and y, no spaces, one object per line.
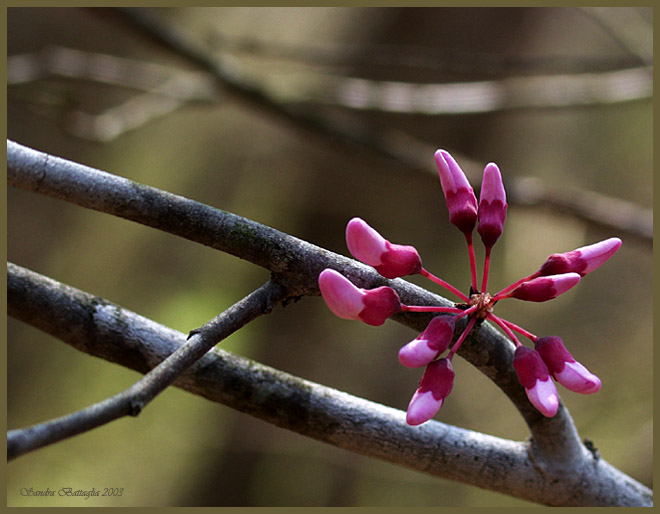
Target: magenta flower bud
{"x":428,"y":345}
{"x":492,"y":206}
{"x":390,"y":260}
{"x":534,"y":376}
{"x":345,"y":300}
{"x":542,"y":289}
{"x":461,"y":202}
{"x":564,"y":368}
{"x":435,"y":386}
{"x":582,"y":260}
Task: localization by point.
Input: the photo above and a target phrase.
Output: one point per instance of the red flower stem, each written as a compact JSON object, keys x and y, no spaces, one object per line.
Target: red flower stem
{"x":503,"y":293}
{"x":467,"y":311}
{"x":473,"y":261}
{"x":429,"y":308}
{"x":424,"y":272}
{"x":465,"y":333}
{"x":520,"y":330}
{"x":504,"y":327}
{"x":484,"y":280}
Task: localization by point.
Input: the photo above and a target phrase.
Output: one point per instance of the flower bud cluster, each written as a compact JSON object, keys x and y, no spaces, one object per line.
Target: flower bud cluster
{"x":537,"y":368}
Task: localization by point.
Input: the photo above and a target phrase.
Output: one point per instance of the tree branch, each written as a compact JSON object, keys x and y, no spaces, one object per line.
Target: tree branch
{"x":628,"y":27}
{"x":600,"y":210}
{"x":294,"y":263}
{"x":135,"y":398}
{"x":414,"y":56}
{"x":100,"y":328}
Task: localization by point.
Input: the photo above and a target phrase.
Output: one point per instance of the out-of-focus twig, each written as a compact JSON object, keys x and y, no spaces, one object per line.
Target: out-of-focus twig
{"x":536,"y":92}
{"x":168,"y":89}
{"x":164,"y":88}
{"x":628,"y":27}
{"x":600,"y":210}
{"x":392,"y":56}
{"x":106,"y":69}
{"x":383,"y":144}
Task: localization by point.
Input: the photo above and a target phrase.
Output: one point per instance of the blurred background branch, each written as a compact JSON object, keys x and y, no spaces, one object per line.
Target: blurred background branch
{"x":167,"y":89}
{"x":629,"y":28}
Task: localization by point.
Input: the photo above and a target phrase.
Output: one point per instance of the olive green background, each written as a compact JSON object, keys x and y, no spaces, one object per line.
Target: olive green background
{"x":184,"y":450}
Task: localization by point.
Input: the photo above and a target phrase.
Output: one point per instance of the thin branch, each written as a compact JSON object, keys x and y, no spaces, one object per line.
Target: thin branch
{"x":628,"y":28}
{"x":293,"y":263}
{"x":625,"y":218}
{"x":135,"y":398}
{"x":59,"y":61}
{"x":602,"y":211}
{"x":458,"y":98}
{"x":550,"y":91}
{"x":100,"y":328}
{"x":165,"y":89}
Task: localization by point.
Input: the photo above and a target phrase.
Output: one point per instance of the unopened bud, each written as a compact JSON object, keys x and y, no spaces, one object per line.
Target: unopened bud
{"x":564,"y":368}
{"x":390,"y":260}
{"x":428,"y":345}
{"x":461,"y":202}
{"x":435,"y":386}
{"x":492,"y":206}
{"x":345,"y":300}
{"x":533,"y":375}
{"x":542,"y":289}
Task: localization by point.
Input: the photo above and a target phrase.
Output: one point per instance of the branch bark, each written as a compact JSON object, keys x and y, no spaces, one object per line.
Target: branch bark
{"x":135,"y":398}
{"x":295,"y":264}
{"x":101,"y":328}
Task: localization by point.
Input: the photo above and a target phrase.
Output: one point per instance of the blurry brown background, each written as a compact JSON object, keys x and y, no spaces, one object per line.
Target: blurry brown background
{"x":184,"y":450}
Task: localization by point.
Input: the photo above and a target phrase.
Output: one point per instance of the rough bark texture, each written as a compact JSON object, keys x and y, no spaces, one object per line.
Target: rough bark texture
{"x":310,"y":409}
{"x":554,"y":467}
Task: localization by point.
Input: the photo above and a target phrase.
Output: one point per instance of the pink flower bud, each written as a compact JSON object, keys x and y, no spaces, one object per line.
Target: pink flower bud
{"x":492,"y":206}
{"x":428,"y":345}
{"x":461,"y":202}
{"x":345,"y":300}
{"x":533,"y":375}
{"x":582,"y":260}
{"x":564,"y":368}
{"x":542,"y":289}
{"x":390,"y":260}
{"x":435,"y":386}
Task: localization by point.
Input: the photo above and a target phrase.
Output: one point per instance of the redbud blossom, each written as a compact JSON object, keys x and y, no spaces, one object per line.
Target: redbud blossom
{"x":542,"y":289}
{"x":390,"y":260}
{"x":492,"y":205}
{"x":535,"y":368}
{"x":434,"y":387}
{"x":564,"y":368}
{"x":461,"y":202}
{"x":534,"y":376}
{"x":345,"y":300}
{"x":428,"y":345}
{"x":582,"y":260}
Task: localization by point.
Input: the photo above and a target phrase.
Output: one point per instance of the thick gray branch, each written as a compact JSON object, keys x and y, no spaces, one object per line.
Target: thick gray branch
{"x":133,"y":400}
{"x":98,"y":327}
{"x":293,"y":263}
